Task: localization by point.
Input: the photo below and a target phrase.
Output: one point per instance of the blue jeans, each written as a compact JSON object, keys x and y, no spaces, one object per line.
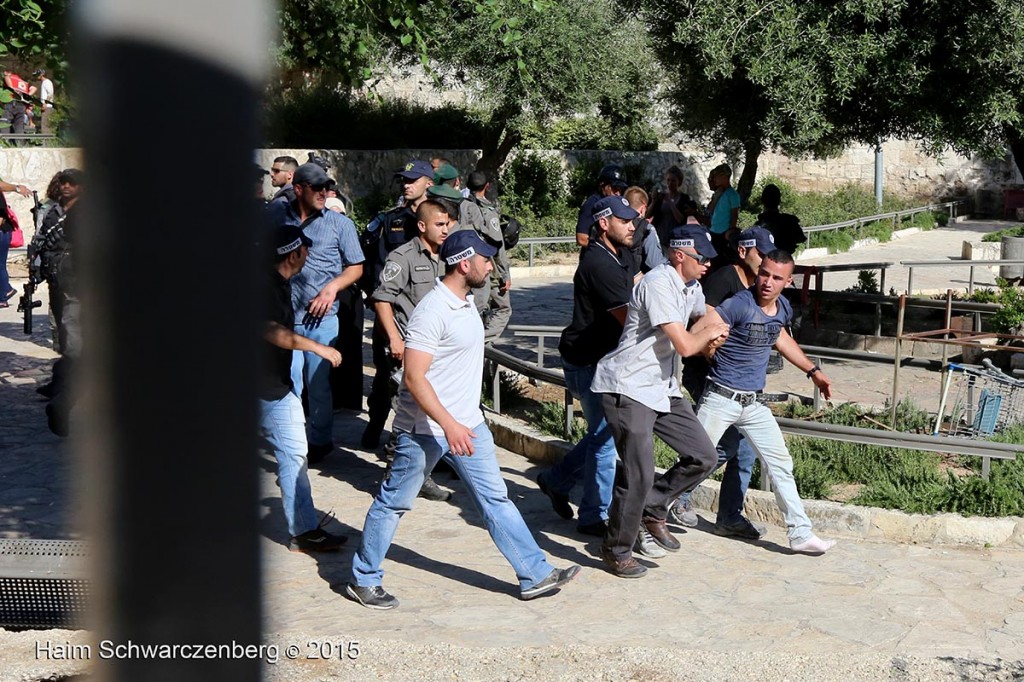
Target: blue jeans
{"x":313,"y":372}
{"x":716,"y":413}
{"x":283,"y":425}
{"x":5,"y":247}
{"x":415,"y":457}
{"x":592,"y":460}
{"x":735,"y":453}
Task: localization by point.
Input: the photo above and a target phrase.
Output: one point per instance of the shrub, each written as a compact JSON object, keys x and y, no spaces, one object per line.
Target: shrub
{"x":533,"y":182}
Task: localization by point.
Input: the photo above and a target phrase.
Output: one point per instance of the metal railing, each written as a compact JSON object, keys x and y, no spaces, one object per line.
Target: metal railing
{"x":907,"y":441}
{"x":911,"y":264}
{"x":894,"y":216}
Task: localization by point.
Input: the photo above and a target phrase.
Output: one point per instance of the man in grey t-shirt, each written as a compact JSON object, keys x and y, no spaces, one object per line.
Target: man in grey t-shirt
{"x":641,"y":397}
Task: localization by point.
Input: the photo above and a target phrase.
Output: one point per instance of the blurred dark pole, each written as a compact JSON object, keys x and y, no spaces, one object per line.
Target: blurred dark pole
{"x":168,"y":100}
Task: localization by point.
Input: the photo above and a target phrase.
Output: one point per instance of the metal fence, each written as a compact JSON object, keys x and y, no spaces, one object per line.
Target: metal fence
{"x":895,"y":216}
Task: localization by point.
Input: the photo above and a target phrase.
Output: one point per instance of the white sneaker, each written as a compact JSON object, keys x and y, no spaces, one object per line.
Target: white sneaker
{"x":812,"y":545}
{"x":646,"y":546}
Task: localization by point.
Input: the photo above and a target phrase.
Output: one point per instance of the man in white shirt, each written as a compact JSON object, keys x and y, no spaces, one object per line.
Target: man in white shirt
{"x":641,"y":397}
{"x":439,"y":415}
{"x":46,"y":97}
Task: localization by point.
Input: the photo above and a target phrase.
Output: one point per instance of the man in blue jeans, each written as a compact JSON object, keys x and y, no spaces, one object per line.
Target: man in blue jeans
{"x":438,"y":415}
{"x":733,"y":449}
{"x":757,"y":319}
{"x":601,"y":289}
{"x":335,"y":263}
{"x":281,"y":419}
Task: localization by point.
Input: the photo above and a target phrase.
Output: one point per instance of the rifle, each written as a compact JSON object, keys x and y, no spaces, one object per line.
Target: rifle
{"x":27,"y":302}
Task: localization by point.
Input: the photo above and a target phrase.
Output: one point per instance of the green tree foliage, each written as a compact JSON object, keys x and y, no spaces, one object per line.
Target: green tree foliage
{"x":527,"y":62}
{"x":811,"y":76}
{"x":32,"y":35}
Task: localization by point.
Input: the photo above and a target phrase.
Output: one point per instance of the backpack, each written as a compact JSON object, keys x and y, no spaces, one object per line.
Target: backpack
{"x":509,"y":226}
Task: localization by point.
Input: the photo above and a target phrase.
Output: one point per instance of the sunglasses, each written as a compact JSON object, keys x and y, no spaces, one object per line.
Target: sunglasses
{"x":701,"y":259}
{"x":277,"y":170}
{"x":318,"y":188}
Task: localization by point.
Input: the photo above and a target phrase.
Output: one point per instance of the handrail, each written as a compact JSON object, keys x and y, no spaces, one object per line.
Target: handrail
{"x":854,"y":222}
{"x":911,"y":264}
{"x":793,"y":427}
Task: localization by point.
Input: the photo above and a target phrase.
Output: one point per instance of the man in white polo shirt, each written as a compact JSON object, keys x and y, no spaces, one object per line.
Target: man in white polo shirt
{"x":641,"y":397}
{"x":439,"y":415}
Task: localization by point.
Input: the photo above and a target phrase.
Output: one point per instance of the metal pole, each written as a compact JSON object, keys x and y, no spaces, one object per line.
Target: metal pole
{"x":171,"y":332}
{"x":901,"y":310}
{"x":817,"y":391}
{"x":496,"y":388}
{"x":878,"y":174}
{"x":568,"y":414}
{"x":540,"y":349}
{"x":910,"y":279}
{"x":945,"y":346}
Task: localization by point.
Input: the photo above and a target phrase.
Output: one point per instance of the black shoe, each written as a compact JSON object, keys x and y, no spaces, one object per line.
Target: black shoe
{"x":316,"y":540}
{"x":559,"y":501}
{"x":598,"y":530}
{"x":371,"y":597}
{"x":556,"y":579}
{"x":371,"y":437}
{"x":317,"y":453}
{"x":432,"y":491}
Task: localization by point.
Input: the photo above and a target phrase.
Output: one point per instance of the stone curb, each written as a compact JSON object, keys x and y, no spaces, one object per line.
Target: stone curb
{"x":867,"y":522}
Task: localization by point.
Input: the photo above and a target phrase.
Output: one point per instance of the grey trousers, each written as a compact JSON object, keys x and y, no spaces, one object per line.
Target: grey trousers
{"x":636,"y":493}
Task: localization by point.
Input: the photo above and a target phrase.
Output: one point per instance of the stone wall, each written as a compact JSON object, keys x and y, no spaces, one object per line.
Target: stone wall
{"x":360,"y":173}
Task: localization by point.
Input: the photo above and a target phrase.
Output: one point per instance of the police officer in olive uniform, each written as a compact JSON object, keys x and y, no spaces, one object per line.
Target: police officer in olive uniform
{"x":500,"y":304}
{"x":410,"y":273}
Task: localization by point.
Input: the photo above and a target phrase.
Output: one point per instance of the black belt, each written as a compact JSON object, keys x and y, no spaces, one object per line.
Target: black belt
{"x":744,"y":398}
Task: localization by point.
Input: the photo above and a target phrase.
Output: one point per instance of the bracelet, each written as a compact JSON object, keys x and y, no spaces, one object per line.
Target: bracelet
{"x":812,"y":370}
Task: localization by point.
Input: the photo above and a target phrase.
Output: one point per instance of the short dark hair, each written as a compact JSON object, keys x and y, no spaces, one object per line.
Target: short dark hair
{"x":288,"y":161}
{"x":431,"y":206}
{"x":450,"y":207}
{"x":781,"y":257}
{"x":476,"y":181}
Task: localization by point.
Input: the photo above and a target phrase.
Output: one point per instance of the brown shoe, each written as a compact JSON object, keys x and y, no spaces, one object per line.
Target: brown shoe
{"x":624,"y":568}
{"x":659,"y":531}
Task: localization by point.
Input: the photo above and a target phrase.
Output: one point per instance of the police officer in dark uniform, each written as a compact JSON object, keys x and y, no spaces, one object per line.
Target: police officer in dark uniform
{"x":384,"y":234}
{"x":611,"y":181}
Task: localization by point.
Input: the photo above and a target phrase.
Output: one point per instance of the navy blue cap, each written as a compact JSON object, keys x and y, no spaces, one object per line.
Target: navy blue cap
{"x":465,"y":244}
{"x":696,"y":237}
{"x":311,"y":174}
{"x":616,"y":206}
{"x":416,"y":169}
{"x":759,"y":238}
{"x":288,"y":238}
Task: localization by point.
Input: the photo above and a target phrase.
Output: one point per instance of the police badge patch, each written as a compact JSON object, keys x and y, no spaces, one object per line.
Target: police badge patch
{"x":391,"y":270}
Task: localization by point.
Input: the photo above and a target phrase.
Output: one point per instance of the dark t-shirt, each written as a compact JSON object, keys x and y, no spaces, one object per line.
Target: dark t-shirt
{"x":585,"y":220}
{"x":742,"y":361}
{"x":277,"y":374}
{"x":785,"y":227}
{"x":603,"y":281}
{"x":720,"y":286}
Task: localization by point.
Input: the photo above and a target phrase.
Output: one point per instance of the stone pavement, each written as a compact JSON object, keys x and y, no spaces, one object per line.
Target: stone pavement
{"x":719,"y":609}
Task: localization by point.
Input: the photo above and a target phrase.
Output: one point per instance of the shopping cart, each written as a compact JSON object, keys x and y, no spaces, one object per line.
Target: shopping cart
{"x":985,"y":401}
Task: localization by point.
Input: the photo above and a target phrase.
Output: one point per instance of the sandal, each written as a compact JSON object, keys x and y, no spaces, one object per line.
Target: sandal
{"x":10,"y":294}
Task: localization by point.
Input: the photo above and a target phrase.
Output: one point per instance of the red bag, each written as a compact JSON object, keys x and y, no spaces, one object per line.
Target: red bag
{"x":17,"y":237}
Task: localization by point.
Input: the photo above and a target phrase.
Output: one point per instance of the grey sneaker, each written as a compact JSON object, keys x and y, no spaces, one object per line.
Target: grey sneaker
{"x":744,"y":528}
{"x":371,"y":597}
{"x":646,"y":546}
{"x":556,"y":579}
{"x":682,"y":513}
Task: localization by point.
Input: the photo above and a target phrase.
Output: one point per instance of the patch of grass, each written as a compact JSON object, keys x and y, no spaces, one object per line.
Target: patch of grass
{"x":550,"y":418}
{"x":998,"y":235}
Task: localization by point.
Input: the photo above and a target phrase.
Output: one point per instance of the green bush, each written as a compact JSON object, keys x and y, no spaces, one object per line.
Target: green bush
{"x":533,"y":182}
{"x":998,"y":235}
{"x":550,"y":418}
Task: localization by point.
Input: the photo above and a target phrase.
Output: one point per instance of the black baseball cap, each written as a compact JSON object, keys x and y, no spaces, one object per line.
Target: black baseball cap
{"x":288,"y":238}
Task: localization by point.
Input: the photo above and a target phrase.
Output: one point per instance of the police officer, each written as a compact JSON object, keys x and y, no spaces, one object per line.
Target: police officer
{"x":409,"y":274}
{"x":500,"y":304}
{"x":611,"y":181}
{"x":391,"y":229}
